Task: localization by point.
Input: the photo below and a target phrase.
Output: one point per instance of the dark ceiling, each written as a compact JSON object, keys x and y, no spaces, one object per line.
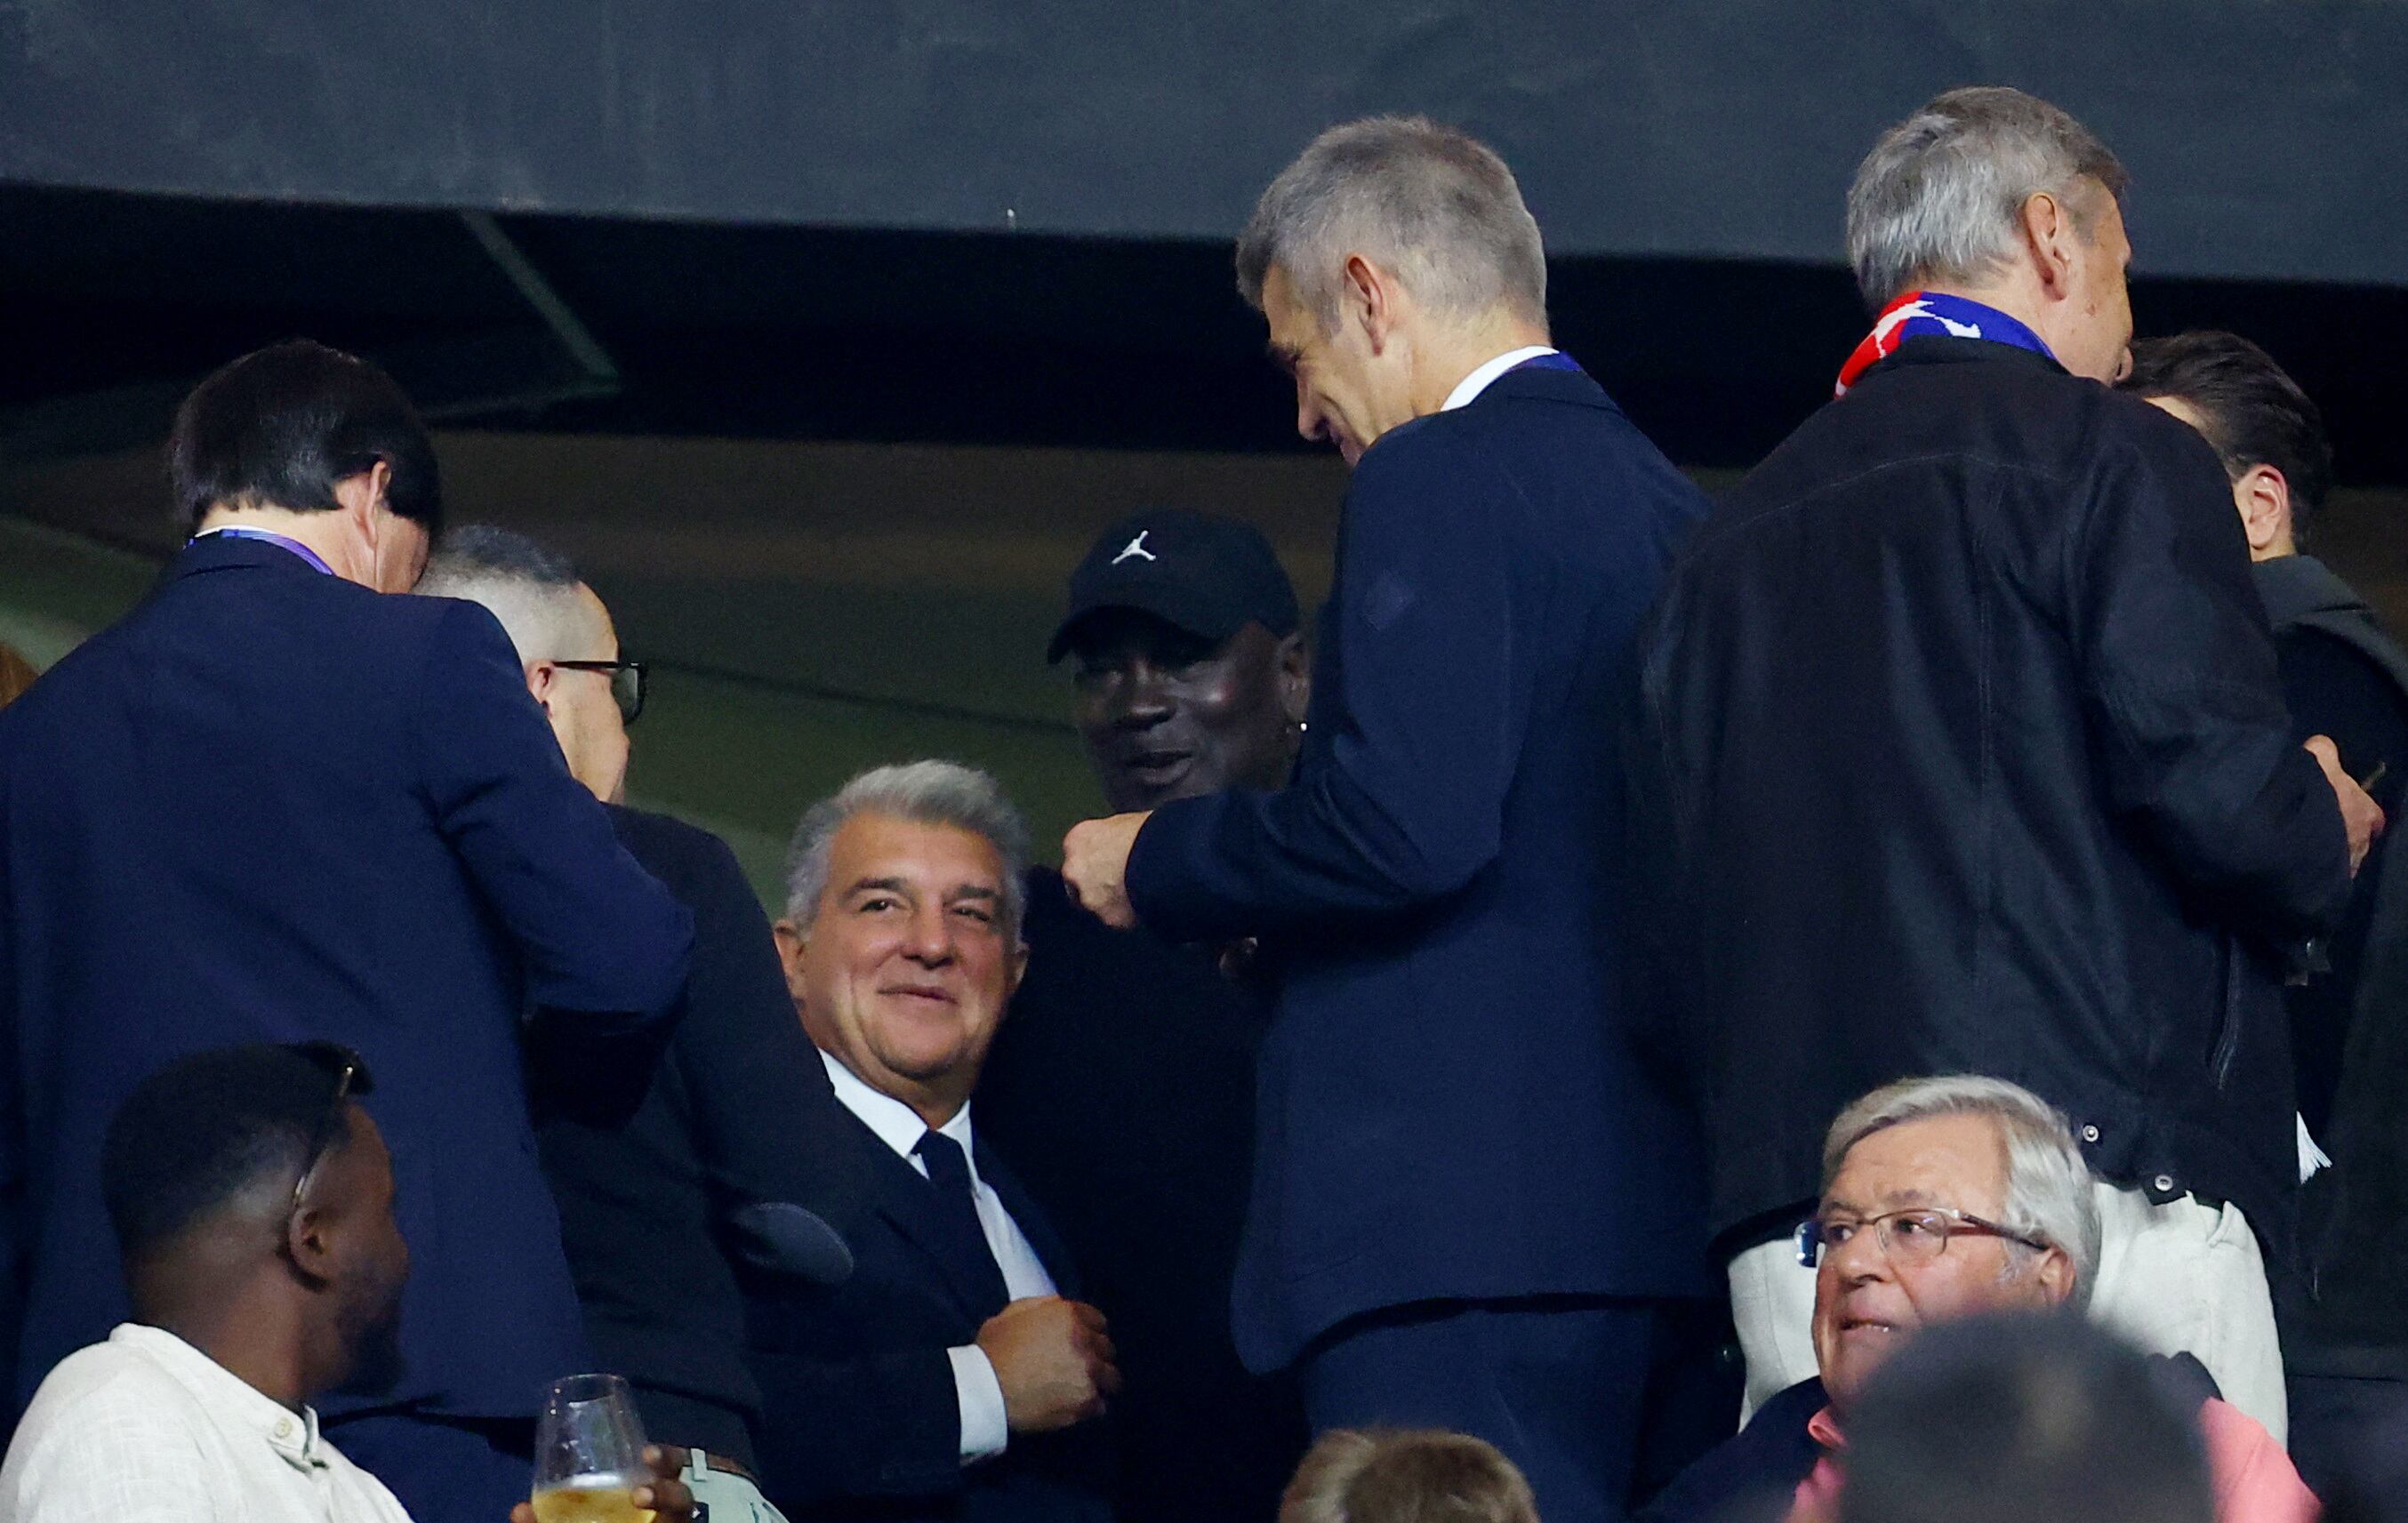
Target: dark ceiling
{"x":114,"y":303}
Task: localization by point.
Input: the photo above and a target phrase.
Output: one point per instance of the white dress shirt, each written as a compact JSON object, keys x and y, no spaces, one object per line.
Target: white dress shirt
{"x":147,"y":1428}
{"x":985,"y":1428}
{"x":1477,"y":382}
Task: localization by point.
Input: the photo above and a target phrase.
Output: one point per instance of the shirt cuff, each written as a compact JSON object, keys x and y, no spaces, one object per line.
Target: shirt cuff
{"x":986,"y":1426}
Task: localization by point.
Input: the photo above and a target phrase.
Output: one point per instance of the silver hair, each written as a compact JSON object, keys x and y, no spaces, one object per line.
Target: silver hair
{"x":1940,"y":196}
{"x":1432,"y":206}
{"x":526,"y":584}
{"x":2049,"y":1185}
{"x":924,"y":792}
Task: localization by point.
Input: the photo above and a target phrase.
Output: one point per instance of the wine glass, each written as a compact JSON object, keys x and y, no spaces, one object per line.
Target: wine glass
{"x":589,"y":1454}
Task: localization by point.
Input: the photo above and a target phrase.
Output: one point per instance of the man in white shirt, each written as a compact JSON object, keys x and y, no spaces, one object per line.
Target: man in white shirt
{"x":253,"y":1201}
{"x":949,"y":1377}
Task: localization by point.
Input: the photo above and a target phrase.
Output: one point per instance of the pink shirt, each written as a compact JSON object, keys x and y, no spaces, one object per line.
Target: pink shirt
{"x":2253,"y":1478}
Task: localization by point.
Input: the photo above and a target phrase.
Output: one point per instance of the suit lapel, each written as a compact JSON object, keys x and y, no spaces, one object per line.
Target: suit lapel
{"x":903,"y":1197}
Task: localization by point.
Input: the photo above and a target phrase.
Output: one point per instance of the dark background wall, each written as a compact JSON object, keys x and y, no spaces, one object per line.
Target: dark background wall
{"x":2266,"y":134}
{"x":827,"y":332}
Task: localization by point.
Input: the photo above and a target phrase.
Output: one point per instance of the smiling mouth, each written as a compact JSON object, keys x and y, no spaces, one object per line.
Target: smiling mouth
{"x":1866,"y":1324}
{"x":931,"y":996}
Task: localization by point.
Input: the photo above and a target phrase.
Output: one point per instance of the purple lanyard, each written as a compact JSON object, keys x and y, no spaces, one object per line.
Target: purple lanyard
{"x":1558,"y":361}
{"x":304,"y":551}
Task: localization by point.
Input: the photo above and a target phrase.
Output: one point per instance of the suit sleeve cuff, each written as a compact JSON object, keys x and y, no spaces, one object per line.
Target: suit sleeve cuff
{"x":985,"y":1427}
{"x":1160,"y":886}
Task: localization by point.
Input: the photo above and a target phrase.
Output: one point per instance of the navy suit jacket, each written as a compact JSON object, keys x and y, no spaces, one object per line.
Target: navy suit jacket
{"x":862,"y":1418}
{"x":271,"y":804}
{"x":1456,"y":1095}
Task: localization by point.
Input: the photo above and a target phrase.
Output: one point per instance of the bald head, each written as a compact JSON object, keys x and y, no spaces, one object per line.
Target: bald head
{"x":549,"y":613}
{"x":550,"y":617}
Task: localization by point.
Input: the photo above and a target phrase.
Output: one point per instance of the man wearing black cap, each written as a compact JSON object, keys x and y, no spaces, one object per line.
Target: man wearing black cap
{"x":1122,"y":1087}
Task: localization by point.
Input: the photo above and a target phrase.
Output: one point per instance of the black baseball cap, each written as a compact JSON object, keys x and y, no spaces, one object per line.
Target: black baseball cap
{"x":1208,"y":575}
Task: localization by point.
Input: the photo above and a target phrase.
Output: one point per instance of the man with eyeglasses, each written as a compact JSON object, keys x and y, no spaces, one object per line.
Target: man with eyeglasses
{"x":253,"y":1198}
{"x":567,"y":645}
{"x":662,"y":1157}
{"x":1947,"y":1198}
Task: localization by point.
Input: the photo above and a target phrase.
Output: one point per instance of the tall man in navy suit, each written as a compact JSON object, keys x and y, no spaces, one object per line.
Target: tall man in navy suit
{"x":273,"y":805}
{"x":1475,"y":1200}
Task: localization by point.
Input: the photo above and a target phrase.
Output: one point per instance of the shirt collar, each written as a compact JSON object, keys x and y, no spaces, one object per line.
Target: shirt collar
{"x":283,"y":542}
{"x":897,"y":1125}
{"x":1477,"y":382}
{"x":234,"y":1402}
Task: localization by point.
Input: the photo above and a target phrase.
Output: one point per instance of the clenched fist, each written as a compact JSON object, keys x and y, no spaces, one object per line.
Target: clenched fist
{"x":1054,"y":1360}
{"x":1095,"y":862}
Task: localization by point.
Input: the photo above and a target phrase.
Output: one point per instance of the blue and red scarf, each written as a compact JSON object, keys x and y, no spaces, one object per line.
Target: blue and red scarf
{"x":1934,"y":314}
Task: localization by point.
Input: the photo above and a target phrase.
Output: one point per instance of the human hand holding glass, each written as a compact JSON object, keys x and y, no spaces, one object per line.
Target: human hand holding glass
{"x":592,"y":1464}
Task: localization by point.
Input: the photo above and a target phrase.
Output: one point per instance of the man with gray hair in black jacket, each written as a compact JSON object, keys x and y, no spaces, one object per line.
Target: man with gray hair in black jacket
{"x":1971,"y":756}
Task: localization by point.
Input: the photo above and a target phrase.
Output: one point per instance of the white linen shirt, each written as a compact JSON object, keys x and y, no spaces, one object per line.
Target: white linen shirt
{"x":986,"y":1428}
{"x":147,"y":1428}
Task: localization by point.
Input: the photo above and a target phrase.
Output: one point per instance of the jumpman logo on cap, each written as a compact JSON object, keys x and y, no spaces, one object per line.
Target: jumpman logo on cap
{"x":1137,"y":548}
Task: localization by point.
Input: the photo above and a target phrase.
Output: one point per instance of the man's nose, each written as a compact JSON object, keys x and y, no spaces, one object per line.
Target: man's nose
{"x":930,"y":939}
{"x":1145,"y":697}
{"x":1309,"y":418}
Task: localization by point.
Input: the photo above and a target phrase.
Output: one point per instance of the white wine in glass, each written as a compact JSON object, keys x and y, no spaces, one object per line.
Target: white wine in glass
{"x":591,"y":1498}
{"x":589,"y":1454}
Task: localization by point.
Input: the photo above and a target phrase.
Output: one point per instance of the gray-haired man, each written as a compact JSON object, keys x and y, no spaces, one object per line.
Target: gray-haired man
{"x":1971,"y":754}
{"x":1945,"y":1199}
{"x":1475,"y":1186}
{"x":954,"y":1375}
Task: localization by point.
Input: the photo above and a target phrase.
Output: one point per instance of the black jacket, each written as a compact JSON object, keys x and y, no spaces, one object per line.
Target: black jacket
{"x":2349,"y":679}
{"x":868,"y":1426}
{"x":649,"y":1162}
{"x":1970,"y":757}
{"x":1121,"y":1089}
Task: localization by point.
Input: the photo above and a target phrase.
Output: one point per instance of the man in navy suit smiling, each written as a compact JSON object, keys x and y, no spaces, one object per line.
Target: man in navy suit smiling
{"x":954,"y":1377}
{"x":1475,"y":1202}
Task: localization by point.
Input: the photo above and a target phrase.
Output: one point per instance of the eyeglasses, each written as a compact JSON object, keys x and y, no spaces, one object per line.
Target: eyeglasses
{"x":322,"y":1136}
{"x":1916,"y":1236}
{"x":626,"y":683}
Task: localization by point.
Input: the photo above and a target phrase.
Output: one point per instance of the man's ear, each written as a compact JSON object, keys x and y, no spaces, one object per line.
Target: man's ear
{"x":2055,"y":1276}
{"x":2050,"y":239}
{"x":1295,"y":677}
{"x":362,"y":494}
{"x":2264,"y":498}
{"x":307,"y":1242}
{"x":791,"y":941}
{"x":1367,"y":298}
